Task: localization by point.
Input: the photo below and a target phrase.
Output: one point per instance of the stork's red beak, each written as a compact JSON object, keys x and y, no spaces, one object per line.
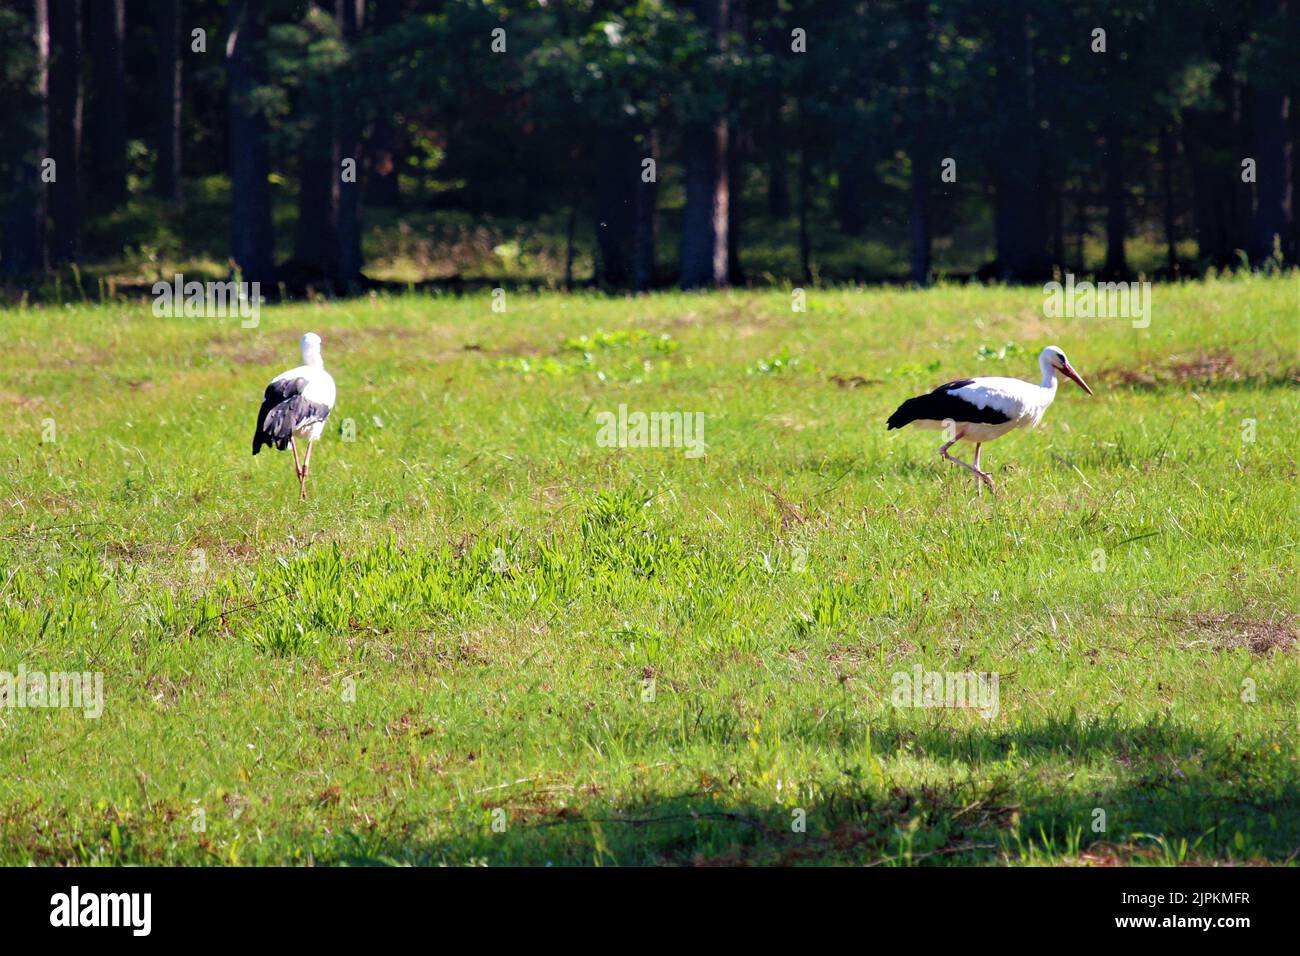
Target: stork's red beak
{"x":1071,"y":373}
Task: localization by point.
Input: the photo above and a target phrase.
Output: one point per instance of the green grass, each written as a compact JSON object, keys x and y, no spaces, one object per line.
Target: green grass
{"x":566,"y":653}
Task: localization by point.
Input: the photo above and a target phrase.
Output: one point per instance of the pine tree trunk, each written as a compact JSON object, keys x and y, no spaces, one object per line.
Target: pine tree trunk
{"x":1295,"y":157}
{"x":645,"y":228}
{"x":778,"y":184}
{"x":735,"y":176}
{"x":1018,"y":205}
{"x":167,"y":175}
{"x":849,"y":196}
{"x":920,"y":218}
{"x":1273,"y":210}
{"x":707,"y":212}
{"x":22,"y":231}
{"x":922,"y":161}
{"x":803,"y":202}
{"x":65,"y":130}
{"x":1167,"y":186}
{"x":383,"y":189}
{"x":1058,"y":223}
{"x":252,"y":241}
{"x":570,"y":245}
{"x":317,"y":223}
{"x":616,"y":178}
{"x":347,"y":248}
{"x":1081,"y":231}
{"x":1116,"y":266}
{"x":698,"y":238}
{"x":107,"y":35}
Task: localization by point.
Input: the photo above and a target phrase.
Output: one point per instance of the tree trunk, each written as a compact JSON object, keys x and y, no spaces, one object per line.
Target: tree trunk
{"x":645,"y":227}
{"x":1058,"y":223}
{"x":616,"y":178}
{"x":707,"y":212}
{"x":922,"y":160}
{"x":252,"y":240}
{"x":167,"y":175}
{"x":1272,"y":220}
{"x":65,"y":130}
{"x":318,"y":195}
{"x":804,"y":200}
{"x":849,"y":196}
{"x":1018,"y":206}
{"x":740,"y":146}
{"x":1241,"y":200}
{"x":22,"y":231}
{"x":319,"y":186}
{"x":920,"y":217}
{"x":1211,"y":241}
{"x":705,"y":177}
{"x":1167,"y":151}
{"x":107,"y":39}
{"x":382,"y":189}
{"x":778,"y":184}
{"x":1295,"y":159}
{"x":1116,"y":266}
{"x":1081,"y":230}
{"x":347,"y":248}
{"x":735,"y":176}
{"x":570,"y":245}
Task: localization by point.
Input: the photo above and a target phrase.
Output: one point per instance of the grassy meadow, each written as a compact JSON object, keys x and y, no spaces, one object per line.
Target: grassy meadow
{"x":488,"y":639}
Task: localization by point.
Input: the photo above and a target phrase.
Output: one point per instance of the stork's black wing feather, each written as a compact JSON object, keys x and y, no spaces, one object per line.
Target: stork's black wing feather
{"x":278,"y":392}
{"x":284,"y":410}
{"x":939,"y":406}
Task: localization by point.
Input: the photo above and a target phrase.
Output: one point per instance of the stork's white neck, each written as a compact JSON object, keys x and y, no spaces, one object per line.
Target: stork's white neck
{"x":1049,"y":374}
{"x":312,"y":358}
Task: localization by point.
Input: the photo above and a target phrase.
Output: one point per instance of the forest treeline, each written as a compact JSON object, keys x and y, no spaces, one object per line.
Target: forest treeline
{"x":1042,"y":123}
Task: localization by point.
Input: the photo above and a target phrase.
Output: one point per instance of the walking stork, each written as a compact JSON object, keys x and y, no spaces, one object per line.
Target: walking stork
{"x":295,"y":407}
{"x":982,"y":409}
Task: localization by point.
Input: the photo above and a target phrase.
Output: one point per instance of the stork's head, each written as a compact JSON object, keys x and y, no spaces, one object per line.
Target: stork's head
{"x":311,"y":349}
{"x":1052,"y":360}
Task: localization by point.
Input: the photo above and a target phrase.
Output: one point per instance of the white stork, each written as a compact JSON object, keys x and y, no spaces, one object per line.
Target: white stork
{"x":982,"y":409}
{"x":295,"y":406}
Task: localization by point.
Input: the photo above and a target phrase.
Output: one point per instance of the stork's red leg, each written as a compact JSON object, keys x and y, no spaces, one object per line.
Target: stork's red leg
{"x":299,"y":470}
{"x":306,"y":462}
{"x":983,"y":475}
{"x":943,"y":453}
{"x":973,"y":469}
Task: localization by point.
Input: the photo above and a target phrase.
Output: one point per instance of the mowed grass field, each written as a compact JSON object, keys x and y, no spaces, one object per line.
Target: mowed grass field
{"x":488,"y":639}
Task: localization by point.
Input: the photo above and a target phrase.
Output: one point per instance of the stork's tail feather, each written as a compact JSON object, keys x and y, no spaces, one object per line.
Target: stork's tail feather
{"x":905,"y":414}
{"x":261,"y":439}
{"x":279,"y":420}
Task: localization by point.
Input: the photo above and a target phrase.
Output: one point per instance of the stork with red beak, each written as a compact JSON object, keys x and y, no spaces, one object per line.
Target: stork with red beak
{"x":982,"y":409}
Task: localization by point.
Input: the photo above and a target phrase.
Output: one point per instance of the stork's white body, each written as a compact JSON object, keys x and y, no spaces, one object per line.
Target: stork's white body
{"x":1024,"y":404}
{"x":319,"y":390}
{"x":982,"y":409}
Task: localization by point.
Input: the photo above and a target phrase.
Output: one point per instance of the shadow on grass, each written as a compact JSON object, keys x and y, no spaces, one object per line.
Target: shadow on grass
{"x":1166,"y":792}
